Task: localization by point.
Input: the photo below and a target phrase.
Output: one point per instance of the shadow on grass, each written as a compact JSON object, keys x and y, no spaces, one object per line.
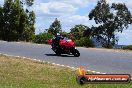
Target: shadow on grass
{"x":62,"y":55}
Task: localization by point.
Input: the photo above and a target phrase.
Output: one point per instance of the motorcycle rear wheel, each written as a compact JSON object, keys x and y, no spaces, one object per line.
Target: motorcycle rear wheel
{"x":57,"y":52}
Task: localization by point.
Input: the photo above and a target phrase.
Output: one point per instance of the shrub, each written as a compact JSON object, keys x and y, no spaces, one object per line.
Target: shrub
{"x":77,"y":43}
{"x":42,"y":38}
{"x":129,"y":47}
{"x":84,"y":41}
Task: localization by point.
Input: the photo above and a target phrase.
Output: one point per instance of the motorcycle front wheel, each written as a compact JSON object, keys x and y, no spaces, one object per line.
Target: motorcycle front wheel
{"x":76,"y":53}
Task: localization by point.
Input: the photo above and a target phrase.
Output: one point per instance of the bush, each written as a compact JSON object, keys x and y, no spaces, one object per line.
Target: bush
{"x":77,"y":43}
{"x":129,"y":47}
{"x":84,"y":41}
{"x":42,"y":38}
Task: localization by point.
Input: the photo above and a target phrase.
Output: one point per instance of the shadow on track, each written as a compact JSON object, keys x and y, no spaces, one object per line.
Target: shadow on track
{"x":63,"y":55}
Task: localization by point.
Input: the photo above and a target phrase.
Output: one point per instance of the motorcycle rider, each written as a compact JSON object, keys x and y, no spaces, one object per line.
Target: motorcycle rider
{"x":56,"y":40}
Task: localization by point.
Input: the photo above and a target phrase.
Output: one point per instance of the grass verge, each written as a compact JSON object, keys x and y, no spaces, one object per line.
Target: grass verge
{"x":24,"y":73}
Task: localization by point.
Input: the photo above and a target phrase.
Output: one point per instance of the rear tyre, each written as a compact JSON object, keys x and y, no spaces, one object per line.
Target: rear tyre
{"x":57,"y":52}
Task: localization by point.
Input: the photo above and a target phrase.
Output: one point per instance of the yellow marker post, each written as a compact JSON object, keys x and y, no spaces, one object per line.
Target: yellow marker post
{"x":81,"y":71}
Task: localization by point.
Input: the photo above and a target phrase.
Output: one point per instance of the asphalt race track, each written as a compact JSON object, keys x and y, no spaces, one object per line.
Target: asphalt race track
{"x":104,"y":61}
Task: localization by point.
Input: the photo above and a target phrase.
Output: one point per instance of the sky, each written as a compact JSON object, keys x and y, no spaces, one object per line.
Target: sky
{"x":71,"y":13}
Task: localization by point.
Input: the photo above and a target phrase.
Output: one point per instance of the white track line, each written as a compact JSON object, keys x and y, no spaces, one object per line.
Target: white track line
{"x":58,"y":64}
{"x":62,"y":65}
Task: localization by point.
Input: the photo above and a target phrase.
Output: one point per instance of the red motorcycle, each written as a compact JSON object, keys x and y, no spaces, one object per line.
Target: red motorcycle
{"x":66,"y":46}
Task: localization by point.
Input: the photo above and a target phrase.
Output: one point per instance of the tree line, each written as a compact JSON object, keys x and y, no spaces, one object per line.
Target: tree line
{"x":17,"y":20}
{"x":76,"y":33}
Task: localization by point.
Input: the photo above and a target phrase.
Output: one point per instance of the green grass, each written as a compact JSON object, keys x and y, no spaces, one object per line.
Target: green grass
{"x":23,"y":73}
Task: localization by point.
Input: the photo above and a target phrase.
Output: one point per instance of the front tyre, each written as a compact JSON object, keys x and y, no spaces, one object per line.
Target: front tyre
{"x":76,"y":53}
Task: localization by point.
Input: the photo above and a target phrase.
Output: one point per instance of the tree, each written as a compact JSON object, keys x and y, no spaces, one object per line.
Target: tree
{"x":64,"y":34}
{"x":88,"y":32}
{"x":29,"y":2}
{"x":78,"y":30}
{"x":1,"y":21}
{"x":55,"y":27}
{"x":111,"y":19}
{"x":28,"y":33}
{"x":18,"y":22}
{"x":27,"y":21}
{"x":10,"y":17}
{"x":78,"y":35}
